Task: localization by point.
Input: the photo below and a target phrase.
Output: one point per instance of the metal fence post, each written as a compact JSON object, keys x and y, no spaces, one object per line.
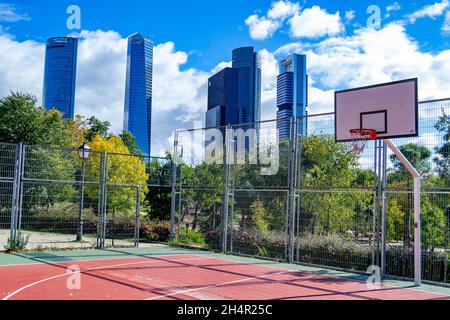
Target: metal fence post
{"x":291,"y":192}
{"x":383,"y":212}
{"x":18,"y":171}
{"x":137,"y":216}
{"x":225,"y":191}
{"x":101,"y":233}
{"x":173,"y":185}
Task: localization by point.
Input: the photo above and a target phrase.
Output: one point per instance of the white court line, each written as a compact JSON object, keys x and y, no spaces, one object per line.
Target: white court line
{"x":219,"y":285}
{"x":96,"y":268}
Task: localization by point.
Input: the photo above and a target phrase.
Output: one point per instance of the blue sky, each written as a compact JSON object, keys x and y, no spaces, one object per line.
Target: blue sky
{"x":194,"y":39}
{"x":206,"y":29}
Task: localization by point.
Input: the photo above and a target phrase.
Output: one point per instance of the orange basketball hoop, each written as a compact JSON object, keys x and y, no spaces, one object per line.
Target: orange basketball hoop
{"x":360,"y":138}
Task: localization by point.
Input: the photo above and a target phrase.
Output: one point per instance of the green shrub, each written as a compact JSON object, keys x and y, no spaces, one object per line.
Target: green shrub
{"x":155,"y":231}
{"x":191,"y":237}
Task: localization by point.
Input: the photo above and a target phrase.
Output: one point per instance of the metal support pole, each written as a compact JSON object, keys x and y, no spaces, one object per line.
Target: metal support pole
{"x":137,"y":216}
{"x":105,"y":197}
{"x":80,"y":214}
{"x":417,"y":219}
{"x":291,"y":193}
{"x":226,"y":191}
{"x":16,"y":192}
{"x":173,"y":183}
{"x":180,"y":202}
{"x":233,"y":191}
{"x":379,"y":201}
{"x":375,"y":200}
{"x":101,"y":233}
{"x":383,"y":212}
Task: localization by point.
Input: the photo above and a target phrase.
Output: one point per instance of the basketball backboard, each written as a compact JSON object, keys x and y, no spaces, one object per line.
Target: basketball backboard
{"x":389,"y":108}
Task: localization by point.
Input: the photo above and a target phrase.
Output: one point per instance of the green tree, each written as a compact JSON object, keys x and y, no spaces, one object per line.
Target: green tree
{"x":22,"y":121}
{"x":97,"y":127}
{"x":433,"y":224}
{"x":260,"y":216}
{"x":442,"y":160}
{"x":419,"y":157}
{"x":130,"y":141}
{"x":327,"y":164}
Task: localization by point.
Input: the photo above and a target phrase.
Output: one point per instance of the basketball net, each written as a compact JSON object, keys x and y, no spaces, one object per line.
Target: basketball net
{"x":360,"y":139}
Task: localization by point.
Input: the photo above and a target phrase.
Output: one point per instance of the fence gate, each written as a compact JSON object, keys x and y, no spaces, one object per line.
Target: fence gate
{"x":121,"y":216}
{"x":9,"y":154}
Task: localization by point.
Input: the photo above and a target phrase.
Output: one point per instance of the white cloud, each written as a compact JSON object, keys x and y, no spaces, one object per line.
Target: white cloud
{"x":370,"y":56}
{"x":446,"y":25}
{"x":349,"y":15}
{"x":23,"y":70}
{"x":269,"y":66}
{"x":264,"y":27}
{"x":100,"y":89}
{"x":8,"y":13}
{"x":261,"y":28}
{"x":430,"y":11}
{"x":283,"y":10}
{"x":315,"y":22}
{"x":289,"y":48}
{"x":367,"y":57}
{"x":312,"y":22}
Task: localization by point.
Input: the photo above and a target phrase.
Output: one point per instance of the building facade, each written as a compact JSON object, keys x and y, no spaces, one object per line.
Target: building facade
{"x":292,"y":95}
{"x":138,"y":91}
{"x":60,"y":75}
{"x":248,"y":64}
{"x":223,"y":98}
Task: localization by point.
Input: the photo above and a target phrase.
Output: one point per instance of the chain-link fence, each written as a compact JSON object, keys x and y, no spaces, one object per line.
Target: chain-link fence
{"x":244,"y":189}
{"x":51,"y":198}
{"x":324,"y":204}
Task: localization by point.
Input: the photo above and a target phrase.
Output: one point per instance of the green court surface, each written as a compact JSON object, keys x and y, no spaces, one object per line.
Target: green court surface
{"x":48,"y":257}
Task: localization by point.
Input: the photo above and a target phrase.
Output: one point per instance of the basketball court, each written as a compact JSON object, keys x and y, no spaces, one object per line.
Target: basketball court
{"x":166,"y":273}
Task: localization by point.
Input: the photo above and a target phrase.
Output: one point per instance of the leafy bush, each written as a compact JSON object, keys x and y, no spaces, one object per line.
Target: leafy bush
{"x":332,"y":244}
{"x":155,"y":231}
{"x":190,"y":237}
{"x":252,"y":242}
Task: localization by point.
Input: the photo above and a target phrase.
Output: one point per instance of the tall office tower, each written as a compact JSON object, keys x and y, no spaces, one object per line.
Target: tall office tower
{"x":248,"y":63}
{"x":292,"y":95}
{"x":138,"y":92}
{"x":222,"y":98}
{"x":60,"y":75}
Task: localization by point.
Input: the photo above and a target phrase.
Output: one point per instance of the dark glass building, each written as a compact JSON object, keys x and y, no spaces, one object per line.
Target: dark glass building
{"x":248,"y":63}
{"x":138,"y":91}
{"x":60,"y":75}
{"x":292,"y":94}
{"x":222,"y":98}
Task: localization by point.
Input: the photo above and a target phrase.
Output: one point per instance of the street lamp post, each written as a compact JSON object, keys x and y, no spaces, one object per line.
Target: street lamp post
{"x":83,"y":154}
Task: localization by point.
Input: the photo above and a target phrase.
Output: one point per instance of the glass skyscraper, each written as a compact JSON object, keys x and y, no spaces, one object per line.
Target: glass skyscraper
{"x":248,"y":63}
{"x":292,"y":94}
{"x":138,"y":91}
{"x":222,"y":98}
{"x":60,"y":75}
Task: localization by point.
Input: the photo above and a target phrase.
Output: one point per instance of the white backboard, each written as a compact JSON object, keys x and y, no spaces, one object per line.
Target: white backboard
{"x":389,"y":108}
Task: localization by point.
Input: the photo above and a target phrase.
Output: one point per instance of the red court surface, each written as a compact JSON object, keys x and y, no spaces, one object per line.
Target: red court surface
{"x":185,"y":277}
